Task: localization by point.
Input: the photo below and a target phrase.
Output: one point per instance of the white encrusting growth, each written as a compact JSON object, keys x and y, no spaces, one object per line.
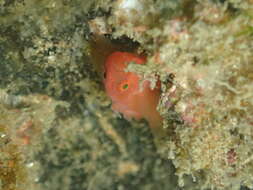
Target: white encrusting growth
{"x":130,"y":4}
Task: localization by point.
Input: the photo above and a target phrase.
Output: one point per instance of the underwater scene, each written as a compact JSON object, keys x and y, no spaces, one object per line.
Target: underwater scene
{"x":126,"y":94}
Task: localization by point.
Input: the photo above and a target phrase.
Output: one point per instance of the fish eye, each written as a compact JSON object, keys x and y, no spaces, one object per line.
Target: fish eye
{"x":124,"y":86}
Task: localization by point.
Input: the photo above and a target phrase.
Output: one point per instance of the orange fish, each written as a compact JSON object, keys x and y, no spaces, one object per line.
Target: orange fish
{"x":125,"y":92}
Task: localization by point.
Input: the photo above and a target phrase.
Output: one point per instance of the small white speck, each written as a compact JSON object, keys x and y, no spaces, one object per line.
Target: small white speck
{"x":131,"y":4}
{"x":36,"y":179}
{"x":182,"y":107}
{"x":51,"y":58}
{"x":29,"y":165}
{"x":216,"y":15}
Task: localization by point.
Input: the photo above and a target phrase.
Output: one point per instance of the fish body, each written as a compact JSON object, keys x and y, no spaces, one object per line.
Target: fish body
{"x":125,"y":92}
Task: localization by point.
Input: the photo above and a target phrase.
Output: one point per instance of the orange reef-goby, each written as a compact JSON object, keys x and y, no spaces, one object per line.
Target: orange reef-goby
{"x":125,"y":92}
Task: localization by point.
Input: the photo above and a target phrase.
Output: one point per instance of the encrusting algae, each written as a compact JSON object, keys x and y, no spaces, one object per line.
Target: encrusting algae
{"x":202,"y":53}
